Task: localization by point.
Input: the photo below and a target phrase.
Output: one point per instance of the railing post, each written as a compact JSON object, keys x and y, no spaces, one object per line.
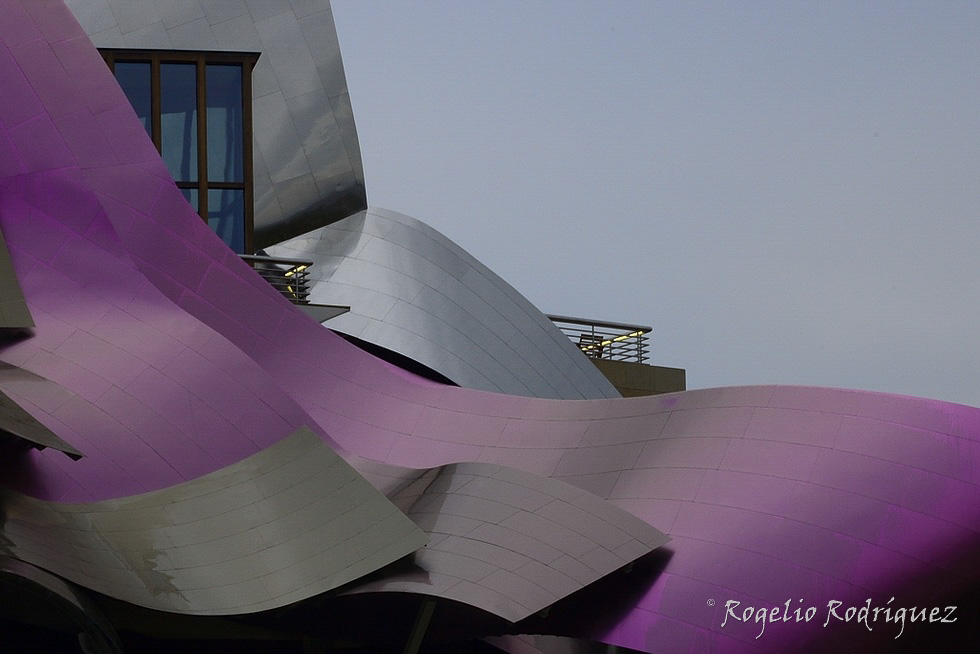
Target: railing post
{"x":290,"y":277}
{"x":605,"y":340}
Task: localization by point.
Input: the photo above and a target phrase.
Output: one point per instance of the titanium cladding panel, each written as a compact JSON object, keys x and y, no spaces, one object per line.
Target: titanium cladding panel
{"x":307,"y":161}
{"x":507,"y":541}
{"x":285,"y":524}
{"x":414,"y":291}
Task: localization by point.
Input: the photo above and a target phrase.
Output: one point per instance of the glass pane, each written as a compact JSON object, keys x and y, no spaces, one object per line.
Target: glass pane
{"x":224,"y":121}
{"x":134,"y":78}
{"x":226,"y":216}
{"x":191,"y":195}
{"x":178,"y":120}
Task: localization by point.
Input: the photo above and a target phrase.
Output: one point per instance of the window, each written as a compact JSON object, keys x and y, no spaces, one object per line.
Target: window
{"x":196,"y":106}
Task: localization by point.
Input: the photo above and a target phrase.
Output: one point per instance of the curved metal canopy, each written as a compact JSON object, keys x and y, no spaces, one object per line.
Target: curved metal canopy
{"x":415,"y":292}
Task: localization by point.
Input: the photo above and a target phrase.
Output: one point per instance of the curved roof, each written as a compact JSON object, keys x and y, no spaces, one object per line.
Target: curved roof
{"x":412,"y":290}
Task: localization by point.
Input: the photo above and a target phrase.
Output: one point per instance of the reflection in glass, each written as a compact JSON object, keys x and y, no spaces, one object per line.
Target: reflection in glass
{"x":224,"y":121}
{"x":186,"y":104}
{"x":134,"y":78}
{"x":178,"y":120}
{"x":226,"y":216}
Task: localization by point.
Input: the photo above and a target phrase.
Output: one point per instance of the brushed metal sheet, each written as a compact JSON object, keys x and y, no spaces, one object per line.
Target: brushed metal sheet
{"x":469,"y":325}
{"x":285,"y":524}
{"x":506,"y":541}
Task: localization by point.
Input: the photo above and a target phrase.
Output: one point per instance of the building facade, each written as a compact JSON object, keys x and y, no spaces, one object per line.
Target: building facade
{"x":191,"y":462}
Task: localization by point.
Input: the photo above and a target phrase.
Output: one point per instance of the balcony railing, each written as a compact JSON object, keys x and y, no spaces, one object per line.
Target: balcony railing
{"x":606,"y":340}
{"x":290,"y":277}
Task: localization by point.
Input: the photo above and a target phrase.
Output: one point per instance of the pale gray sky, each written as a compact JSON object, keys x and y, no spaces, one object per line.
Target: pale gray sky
{"x":787,"y":191}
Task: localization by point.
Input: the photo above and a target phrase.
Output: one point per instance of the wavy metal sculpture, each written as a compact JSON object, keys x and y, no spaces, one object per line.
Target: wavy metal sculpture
{"x":170,"y":360}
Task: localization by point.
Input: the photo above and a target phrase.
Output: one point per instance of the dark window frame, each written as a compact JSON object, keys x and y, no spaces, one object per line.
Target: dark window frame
{"x":201,"y":59}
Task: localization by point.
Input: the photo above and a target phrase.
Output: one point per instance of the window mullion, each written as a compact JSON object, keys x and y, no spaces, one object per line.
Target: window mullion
{"x":202,"y":139}
{"x":156,"y":110}
{"x":234,"y":200}
{"x":247,"y":153}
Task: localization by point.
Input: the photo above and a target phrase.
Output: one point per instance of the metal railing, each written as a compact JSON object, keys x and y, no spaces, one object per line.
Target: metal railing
{"x":599,"y":339}
{"x":290,"y":277}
